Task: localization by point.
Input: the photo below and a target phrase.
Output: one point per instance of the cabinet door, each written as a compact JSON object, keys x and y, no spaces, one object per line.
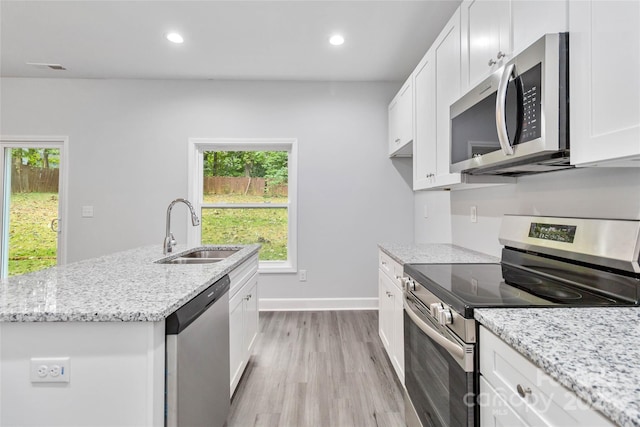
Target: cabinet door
{"x":237,"y":350}
{"x":250,"y":314}
{"x":531,"y":19}
{"x":485,"y":37}
{"x":384,"y":318}
{"x":398,"y":333}
{"x":447,"y":59}
{"x":424,"y":145}
{"x":494,"y":409}
{"x":401,"y":121}
{"x":605,"y":88}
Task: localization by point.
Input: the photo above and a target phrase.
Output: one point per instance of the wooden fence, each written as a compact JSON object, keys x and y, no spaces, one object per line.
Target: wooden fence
{"x":29,"y":179}
{"x":242,"y":185}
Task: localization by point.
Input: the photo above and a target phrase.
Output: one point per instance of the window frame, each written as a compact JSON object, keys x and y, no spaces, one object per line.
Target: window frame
{"x":195,"y":174}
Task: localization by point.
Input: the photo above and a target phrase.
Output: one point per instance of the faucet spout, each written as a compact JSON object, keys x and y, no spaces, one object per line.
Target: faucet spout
{"x":169,"y":240}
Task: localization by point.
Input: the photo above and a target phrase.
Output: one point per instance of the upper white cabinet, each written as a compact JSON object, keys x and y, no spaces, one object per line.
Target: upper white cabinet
{"x":486,"y":40}
{"x":604,"y":83}
{"x":531,"y":19}
{"x":494,"y":30}
{"x":401,"y":121}
{"x":436,"y":86}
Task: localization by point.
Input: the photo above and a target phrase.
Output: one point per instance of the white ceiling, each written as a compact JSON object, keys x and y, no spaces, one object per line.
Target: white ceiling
{"x":252,"y":40}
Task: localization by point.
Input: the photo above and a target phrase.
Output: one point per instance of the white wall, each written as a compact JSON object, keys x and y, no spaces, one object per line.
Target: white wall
{"x":128,"y":158}
{"x":587,"y":192}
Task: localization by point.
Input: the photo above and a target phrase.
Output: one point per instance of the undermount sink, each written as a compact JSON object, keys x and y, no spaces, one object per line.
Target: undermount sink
{"x":202,"y":256}
{"x":218,"y":254}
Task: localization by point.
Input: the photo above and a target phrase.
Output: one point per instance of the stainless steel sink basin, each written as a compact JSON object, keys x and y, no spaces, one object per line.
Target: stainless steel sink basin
{"x":210,"y":254}
{"x":202,"y":256}
{"x":182,"y":260}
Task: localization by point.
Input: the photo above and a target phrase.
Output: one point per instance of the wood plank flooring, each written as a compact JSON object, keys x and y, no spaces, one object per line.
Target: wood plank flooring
{"x":318,"y":369}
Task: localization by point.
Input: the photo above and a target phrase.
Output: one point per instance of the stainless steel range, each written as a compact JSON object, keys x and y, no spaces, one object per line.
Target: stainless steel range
{"x":546,"y":262}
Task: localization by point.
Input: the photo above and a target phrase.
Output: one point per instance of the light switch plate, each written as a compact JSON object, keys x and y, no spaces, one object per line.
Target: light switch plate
{"x":87,"y":212}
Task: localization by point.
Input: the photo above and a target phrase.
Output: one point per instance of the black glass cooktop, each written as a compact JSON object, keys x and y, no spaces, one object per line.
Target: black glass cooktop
{"x":468,"y":286}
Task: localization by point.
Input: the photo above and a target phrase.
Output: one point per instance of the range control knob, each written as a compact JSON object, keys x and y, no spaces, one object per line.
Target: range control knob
{"x":435,"y":308}
{"x":444,"y":316}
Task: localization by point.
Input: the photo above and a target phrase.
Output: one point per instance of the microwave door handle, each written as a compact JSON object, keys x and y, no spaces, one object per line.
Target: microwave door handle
{"x":454,"y":349}
{"x":501,"y":101}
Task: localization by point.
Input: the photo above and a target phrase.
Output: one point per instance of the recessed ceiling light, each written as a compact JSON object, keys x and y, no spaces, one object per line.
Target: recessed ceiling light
{"x":174,"y":37}
{"x":336,"y":40}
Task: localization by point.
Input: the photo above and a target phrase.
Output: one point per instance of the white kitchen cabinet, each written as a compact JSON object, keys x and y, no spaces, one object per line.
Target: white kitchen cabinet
{"x":436,"y":86}
{"x":486,"y":39}
{"x":515,"y":392}
{"x":493,"y":31}
{"x":531,"y":19}
{"x":243,"y":318}
{"x":401,"y":121}
{"x":604,"y":83}
{"x":391,"y":311}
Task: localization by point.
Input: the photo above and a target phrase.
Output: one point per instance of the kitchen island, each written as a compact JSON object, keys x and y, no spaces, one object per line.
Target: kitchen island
{"x":107,"y":315}
{"x":591,"y":351}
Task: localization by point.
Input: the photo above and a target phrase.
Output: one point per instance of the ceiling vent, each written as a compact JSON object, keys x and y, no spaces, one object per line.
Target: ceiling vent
{"x":43,"y":65}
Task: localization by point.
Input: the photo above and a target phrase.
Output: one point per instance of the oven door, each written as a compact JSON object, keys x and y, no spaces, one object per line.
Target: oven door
{"x":439,"y":371}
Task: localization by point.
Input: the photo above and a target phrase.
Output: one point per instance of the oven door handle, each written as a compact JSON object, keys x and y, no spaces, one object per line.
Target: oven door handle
{"x":453,"y":348}
{"x":501,"y":101}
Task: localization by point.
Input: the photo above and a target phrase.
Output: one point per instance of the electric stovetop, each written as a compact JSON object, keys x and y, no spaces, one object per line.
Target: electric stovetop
{"x":468,"y":286}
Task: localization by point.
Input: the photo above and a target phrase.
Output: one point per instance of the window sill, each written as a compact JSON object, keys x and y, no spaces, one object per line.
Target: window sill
{"x":266,"y":267}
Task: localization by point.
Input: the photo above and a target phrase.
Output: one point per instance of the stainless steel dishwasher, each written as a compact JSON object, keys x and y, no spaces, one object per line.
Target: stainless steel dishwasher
{"x":197,"y":360}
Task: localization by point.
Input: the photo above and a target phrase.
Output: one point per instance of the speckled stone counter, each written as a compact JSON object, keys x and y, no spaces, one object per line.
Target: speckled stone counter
{"x":122,"y":287}
{"x":434,"y":253}
{"x":592,"y":351}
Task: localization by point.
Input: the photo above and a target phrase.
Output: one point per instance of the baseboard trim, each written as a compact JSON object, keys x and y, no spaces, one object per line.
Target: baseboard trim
{"x":317,"y":304}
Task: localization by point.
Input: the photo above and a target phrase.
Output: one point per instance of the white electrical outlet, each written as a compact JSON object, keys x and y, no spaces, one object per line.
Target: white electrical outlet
{"x":474,"y":214}
{"x":50,"y":369}
{"x":303,"y":275}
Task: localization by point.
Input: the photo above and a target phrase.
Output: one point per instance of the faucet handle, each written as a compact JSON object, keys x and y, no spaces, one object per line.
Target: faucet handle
{"x":172,"y":240}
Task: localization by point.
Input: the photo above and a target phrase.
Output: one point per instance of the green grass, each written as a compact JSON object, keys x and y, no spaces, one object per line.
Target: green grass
{"x":243,"y":226}
{"x":32,"y":244}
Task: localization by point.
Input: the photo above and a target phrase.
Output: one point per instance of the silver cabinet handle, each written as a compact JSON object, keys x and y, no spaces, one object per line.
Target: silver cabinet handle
{"x":501,"y":55}
{"x":389,"y":294}
{"x":523,"y":391}
{"x":492,"y":62}
{"x":501,"y":99}
{"x":397,"y":140}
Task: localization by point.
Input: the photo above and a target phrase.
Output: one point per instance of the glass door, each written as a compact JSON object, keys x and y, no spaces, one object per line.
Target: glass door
{"x":31,"y":233}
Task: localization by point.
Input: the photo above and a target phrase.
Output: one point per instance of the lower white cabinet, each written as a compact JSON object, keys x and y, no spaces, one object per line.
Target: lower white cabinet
{"x":391,"y":312}
{"x":243,"y":319}
{"x":515,"y":392}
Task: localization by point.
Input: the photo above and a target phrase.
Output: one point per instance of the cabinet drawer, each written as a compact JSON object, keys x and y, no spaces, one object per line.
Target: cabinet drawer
{"x":545,"y":401}
{"x":391,"y":268}
{"x":241,"y":274}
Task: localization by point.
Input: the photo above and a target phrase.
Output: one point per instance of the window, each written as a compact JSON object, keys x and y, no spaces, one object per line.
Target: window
{"x":246,"y":193}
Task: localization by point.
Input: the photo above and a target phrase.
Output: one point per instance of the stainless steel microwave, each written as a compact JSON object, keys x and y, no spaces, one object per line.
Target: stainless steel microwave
{"x":516,"y":121}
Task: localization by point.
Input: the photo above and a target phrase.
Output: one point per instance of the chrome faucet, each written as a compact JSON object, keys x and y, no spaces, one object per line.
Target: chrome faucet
{"x":169,"y":240}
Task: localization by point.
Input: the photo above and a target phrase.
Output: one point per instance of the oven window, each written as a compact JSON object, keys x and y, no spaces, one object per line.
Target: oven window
{"x":440,"y":390}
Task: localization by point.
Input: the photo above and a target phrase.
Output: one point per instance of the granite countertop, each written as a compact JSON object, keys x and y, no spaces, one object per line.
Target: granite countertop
{"x":592,"y":351}
{"x":122,"y":287}
{"x":434,"y":253}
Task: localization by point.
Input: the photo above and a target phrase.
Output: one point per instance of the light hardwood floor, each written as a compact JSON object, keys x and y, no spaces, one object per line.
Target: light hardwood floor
{"x":318,"y":369}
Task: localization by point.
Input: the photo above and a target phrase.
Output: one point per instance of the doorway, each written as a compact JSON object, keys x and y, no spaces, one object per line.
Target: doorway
{"x":32,"y":170}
